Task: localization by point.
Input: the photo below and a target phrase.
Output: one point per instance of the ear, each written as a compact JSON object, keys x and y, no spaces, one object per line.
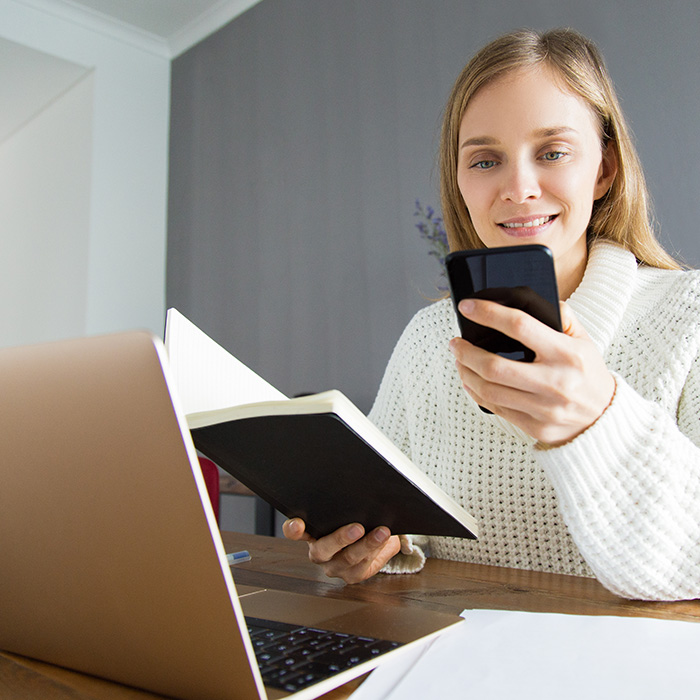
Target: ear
{"x":606,"y":172}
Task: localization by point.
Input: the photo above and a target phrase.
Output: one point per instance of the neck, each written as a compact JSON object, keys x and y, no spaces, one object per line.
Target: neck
{"x":569,"y":271}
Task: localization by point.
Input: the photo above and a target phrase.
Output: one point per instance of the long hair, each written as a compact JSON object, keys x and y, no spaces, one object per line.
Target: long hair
{"x":623,"y":215}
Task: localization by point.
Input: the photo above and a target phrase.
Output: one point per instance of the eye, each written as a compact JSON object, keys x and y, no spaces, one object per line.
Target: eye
{"x":553,"y":156}
{"x":483,"y":165}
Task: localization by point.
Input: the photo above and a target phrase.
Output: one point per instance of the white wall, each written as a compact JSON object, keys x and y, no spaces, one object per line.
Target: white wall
{"x":45,"y":184}
{"x":123,"y":280}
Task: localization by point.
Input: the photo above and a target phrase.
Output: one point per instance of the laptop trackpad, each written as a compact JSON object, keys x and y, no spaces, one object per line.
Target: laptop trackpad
{"x":399,"y":624}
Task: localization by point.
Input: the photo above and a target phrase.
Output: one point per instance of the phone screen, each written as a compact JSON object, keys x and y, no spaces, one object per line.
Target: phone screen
{"x":521,"y":277}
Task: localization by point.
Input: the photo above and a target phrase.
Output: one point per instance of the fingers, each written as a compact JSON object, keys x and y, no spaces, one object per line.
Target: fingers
{"x":555,"y":397}
{"x":491,"y":370}
{"x":480,"y":370}
{"x":295,"y":529}
{"x":514,"y":323}
{"x":325,"y":548}
{"x":500,"y":387}
{"x":347,"y":553}
{"x":364,"y":558}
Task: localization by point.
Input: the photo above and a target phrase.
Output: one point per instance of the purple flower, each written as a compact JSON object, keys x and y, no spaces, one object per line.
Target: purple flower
{"x":432,"y":230}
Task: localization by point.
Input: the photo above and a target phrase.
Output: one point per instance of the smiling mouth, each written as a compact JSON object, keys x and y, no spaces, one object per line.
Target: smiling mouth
{"x":533,"y":223}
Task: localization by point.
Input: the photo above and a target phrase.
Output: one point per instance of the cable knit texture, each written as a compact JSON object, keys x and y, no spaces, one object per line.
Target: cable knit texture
{"x":621,"y":501}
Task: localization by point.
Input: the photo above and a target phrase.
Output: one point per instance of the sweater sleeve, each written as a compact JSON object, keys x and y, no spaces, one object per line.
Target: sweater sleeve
{"x":629,"y":491}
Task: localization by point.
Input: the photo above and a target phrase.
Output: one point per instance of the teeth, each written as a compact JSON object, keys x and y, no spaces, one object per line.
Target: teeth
{"x":530,"y":224}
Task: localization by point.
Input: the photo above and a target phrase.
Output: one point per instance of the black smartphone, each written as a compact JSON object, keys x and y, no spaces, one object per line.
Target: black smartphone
{"x":520,"y":276}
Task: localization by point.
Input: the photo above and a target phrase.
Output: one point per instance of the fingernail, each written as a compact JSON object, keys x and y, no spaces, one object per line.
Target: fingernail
{"x":466,"y":306}
{"x":380,"y":535}
{"x":355,"y":532}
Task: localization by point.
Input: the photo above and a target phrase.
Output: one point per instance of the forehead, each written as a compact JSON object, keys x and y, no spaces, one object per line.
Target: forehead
{"x":524,"y":101}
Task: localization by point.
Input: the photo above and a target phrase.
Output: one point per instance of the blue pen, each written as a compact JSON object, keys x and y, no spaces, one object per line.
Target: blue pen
{"x":238,"y":557}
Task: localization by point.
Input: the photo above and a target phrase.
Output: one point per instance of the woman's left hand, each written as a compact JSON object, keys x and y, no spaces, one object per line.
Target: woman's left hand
{"x":553,"y":399}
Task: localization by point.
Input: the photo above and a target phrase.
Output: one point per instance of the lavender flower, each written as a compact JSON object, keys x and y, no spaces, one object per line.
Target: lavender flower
{"x":432,"y":230}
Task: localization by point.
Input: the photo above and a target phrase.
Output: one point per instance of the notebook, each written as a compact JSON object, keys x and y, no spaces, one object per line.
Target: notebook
{"x":112,"y":561}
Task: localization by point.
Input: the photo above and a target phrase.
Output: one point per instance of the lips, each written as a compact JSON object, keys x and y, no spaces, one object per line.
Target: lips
{"x":532,"y":222}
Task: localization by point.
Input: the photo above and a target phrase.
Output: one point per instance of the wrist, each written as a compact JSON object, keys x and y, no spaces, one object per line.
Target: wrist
{"x":540,"y":445}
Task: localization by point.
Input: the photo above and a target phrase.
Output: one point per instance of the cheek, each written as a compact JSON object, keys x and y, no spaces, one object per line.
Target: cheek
{"x":574,"y":187}
{"x":463,"y":188}
{"x":474,"y":195}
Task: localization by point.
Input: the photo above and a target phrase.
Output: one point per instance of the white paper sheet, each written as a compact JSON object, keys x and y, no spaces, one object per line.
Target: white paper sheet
{"x":503,"y":654}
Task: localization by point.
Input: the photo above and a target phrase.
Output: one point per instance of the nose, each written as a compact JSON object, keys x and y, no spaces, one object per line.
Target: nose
{"x":520,"y":183}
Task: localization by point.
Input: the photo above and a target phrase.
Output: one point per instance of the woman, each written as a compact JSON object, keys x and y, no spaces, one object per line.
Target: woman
{"x":590,"y":463}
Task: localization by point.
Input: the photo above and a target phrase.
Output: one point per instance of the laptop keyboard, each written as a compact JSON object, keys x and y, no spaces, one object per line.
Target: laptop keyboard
{"x":291,"y":657}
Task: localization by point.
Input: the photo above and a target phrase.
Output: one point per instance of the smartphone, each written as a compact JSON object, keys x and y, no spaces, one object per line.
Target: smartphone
{"x":520,"y":276}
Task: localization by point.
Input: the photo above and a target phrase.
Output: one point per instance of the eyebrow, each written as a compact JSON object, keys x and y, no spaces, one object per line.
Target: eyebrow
{"x":546,"y":132}
{"x":479,"y":141}
{"x":554,"y":131}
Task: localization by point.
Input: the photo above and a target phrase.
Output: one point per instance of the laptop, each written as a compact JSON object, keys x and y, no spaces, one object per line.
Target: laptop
{"x":111,"y":557}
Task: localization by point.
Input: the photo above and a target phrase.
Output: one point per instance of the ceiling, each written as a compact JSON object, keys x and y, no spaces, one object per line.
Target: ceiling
{"x":31,"y":80}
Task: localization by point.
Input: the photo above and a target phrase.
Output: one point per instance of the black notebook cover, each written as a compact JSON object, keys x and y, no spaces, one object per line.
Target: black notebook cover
{"x":315,"y":467}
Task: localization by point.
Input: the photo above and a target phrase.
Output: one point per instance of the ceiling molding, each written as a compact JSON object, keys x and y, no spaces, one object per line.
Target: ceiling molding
{"x":101,"y":23}
{"x":207,"y":23}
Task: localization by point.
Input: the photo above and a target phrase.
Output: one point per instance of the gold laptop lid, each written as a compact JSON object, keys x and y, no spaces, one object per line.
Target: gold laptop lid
{"x":98,"y":516}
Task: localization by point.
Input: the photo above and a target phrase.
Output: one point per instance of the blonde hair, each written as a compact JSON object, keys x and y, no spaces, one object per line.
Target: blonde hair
{"x":623,"y":215}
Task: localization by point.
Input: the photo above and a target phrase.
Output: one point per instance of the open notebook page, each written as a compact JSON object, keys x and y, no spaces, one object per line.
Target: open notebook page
{"x":207,"y":376}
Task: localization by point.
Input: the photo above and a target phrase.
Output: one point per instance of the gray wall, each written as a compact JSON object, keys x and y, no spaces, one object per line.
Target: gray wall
{"x":303,"y":132}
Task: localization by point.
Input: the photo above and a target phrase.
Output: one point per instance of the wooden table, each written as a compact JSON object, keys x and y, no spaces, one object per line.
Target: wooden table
{"x":443,"y":585}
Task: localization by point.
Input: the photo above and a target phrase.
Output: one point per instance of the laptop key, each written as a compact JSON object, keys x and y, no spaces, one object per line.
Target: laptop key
{"x":291,"y":657}
{"x":299,"y":682}
{"x":277,"y":675}
{"x":270,"y":635}
{"x":357,"y":656}
{"x":266,"y":659}
{"x":278,"y":645}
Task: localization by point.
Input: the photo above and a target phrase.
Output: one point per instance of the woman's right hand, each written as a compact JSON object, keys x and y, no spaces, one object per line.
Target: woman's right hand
{"x":347,"y":553}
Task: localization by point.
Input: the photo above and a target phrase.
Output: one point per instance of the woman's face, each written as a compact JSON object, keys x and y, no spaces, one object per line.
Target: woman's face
{"x":530,"y":166}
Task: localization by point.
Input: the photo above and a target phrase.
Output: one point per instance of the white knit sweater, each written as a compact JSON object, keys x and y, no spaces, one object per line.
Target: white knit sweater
{"x":622,"y":500}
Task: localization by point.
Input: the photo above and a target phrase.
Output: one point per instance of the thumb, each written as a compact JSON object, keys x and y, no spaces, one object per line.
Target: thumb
{"x":570,"y":325}
{"x":295,"y":529}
